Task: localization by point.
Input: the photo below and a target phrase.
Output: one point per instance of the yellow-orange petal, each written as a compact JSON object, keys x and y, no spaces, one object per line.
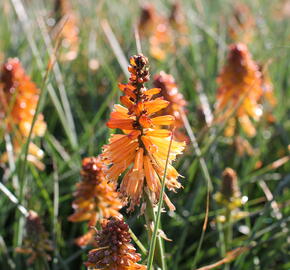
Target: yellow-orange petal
{"x":138,"y":164}
{"x":145,"y":121}
{"x":119,"y":115}
{"x":151,"y":179}
{"x":152,"y":91}
{"x":127,"y":102}
{"x":123,"y":86}
{"x":121,"y":109}
{"x":163,"y":133}
{"x":121,"y":124}
{"x":150,"y":147}
{"x":155,"y":105}
{"x":163,"y":120}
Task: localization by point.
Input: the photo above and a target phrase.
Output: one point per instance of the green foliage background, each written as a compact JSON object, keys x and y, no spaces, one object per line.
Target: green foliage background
{"x":90,"y":97}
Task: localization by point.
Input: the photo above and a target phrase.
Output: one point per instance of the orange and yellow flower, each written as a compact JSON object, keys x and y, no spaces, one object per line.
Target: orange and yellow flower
{"x":95,"y":198}
{"x":18,"y":101}
{"x":239,"y":90}
{"x":68,"y":28}
{"x":114,"y":249}
{"x":177,"y":103}
{"x":141,"y":152}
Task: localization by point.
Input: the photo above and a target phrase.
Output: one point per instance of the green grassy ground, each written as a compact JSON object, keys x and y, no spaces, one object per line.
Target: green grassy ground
{"x":76,"y":103}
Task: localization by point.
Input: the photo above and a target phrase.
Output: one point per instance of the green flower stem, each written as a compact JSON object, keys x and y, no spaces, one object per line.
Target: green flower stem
{"x":150,"y":217}
{"x":138,"y":243}
{"x":228,"y":233}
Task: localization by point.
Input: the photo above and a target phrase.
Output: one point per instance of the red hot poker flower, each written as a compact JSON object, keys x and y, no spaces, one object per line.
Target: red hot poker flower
{"x":177,"y":104}
{"x":18,"y":101}
{"x":142,"y":150}
{"x":95,"y":198}
{"x":240,"y":87}
{"x":114,"y":249}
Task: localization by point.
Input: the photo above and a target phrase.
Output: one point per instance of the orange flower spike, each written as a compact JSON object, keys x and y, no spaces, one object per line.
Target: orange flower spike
{"x":137,"y":151}
{"x":20,"y":97}
{"x":240,"y":87}
{"x":114,"y":249}
{"x":18,"y":102}
{"x":177,"y":103}
{"x":94,"y":198}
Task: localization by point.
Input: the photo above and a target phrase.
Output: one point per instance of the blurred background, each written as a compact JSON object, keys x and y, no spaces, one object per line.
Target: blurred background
{"x":77,"y":51}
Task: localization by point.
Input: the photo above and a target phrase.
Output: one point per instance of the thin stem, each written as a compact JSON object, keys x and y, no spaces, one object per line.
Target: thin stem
{"x":157,"y":220}
{"x":206,"y":175}
{"x":228,"y":230}
{"x":150,"y":220}
{"x":13,"y":199}
{"x":228,"y":233}
{"x":138,"y":243}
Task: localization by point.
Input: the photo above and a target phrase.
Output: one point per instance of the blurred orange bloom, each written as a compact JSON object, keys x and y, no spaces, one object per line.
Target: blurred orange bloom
{"x":177,"y":103}
{"x":157,"y":29}
{"x":18,"y":101}
{"x":67,"y":26}
{"x":239,"y":90}
{"x":95,"y":198}
{"x":114,"y":249}
{"x":142,"y":150}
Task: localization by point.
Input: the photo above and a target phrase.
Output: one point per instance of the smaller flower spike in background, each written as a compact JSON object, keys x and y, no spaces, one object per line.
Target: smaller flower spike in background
{"x":18,"y":101}
{"x":142,"y":150}
{"x":177,"y":103}
{"x":157,"y":29}
{"x":230,"y":195}
{"x":239,"y":87}
{"x":95,"y":198}
{"x":36,"y":242}
{"x":114,"y":249}
{"x":67,"y":26}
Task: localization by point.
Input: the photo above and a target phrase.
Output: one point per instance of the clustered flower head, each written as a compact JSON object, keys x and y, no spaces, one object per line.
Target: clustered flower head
{"x":18,"y":101}
{"x":67,"y":29}
{"x":240,"y":90}
{"x":176,"y":107}
{"x":36,"y":242}
{"x":114,"y":249}
{"x":141,"y":152}
{"x":95,"y":198}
